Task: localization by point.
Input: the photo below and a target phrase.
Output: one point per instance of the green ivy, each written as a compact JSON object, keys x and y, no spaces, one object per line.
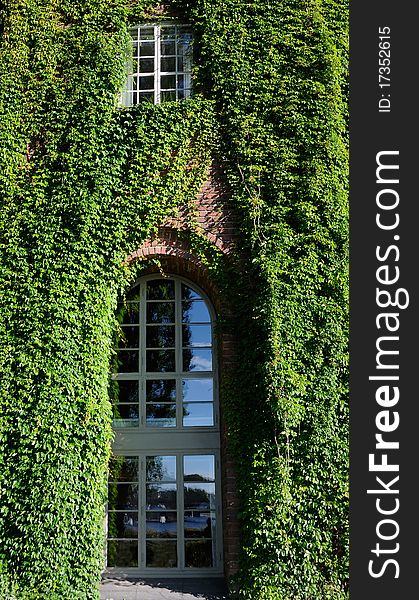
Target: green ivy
{"x":83,"y":184}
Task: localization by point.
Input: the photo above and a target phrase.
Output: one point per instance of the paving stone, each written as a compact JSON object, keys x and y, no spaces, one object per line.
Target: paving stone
{"x":163,"y":589}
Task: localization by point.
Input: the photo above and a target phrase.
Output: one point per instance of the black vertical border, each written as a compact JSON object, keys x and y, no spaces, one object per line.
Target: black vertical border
{"x":372,"y":132}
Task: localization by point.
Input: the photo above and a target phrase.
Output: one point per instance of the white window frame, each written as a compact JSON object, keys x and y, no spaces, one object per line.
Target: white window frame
{"x":127,"y":96}
{"x":177,"y":441}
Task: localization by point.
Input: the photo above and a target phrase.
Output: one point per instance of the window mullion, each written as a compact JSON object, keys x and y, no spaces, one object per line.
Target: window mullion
{"x":143,"y":313}
{"x":157,"y":65}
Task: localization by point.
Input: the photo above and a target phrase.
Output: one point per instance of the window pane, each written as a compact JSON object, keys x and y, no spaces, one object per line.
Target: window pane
{"x":123,"y":496}
{"x":199,"y":496}
{"x":161,"y":468}
{"x":146,"y":97}
{"x":161,"y":496}
{"x":168,"y":82}
{"x":199,"y":467}
{"x":197,"y":360}
{"x":128,"y":313}
{"x":168,"y":31}
{"x":198,"y":414}
{"x":122,"y":524}
{"x":126,"y":415}
{"x":161,"y":553}
{"x":128,"y":361}
{"x":124,"y":391}
{"x":184,"y":94}
{"x":161,"y":524}
{"x":198,"y":553}
{"x":189,"y":294}
{"x":161,"y":390}
{"x":196,"y":335}
{"x":146,"y":65}
{"x":122,"y":554}
{"x":161,"y":415}
{"x":195,"y":311}
{"x":158,"y":289}
{"x":147,"y":33}
{"x":160,"y":337}
{"x":147,"y":49}
{"x":146,"y":83}
{"x":197,"y":390}
{"x":168,"y":96}
{"x":160,"y":361}
{"x":168,"y":48}
{"x":199,"y":524}
{"x":130,"y":337}
{"x":123,"y":468}
{"x":160,"y":312}
{"x":180,"y":68}
{"x":168,"y":65}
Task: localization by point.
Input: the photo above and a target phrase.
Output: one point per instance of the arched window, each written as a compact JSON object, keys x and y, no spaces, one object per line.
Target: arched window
{"x":164,"y":509}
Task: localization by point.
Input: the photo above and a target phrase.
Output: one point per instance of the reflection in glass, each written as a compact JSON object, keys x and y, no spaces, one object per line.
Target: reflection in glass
{"x":130,"y":337}
{"x":122,"y":496}
{"x":161,"y":415}
{"x":198,"y":414}
{"x":123,"y":468}
{"x":159,"y":289}
{"x":161,"y":468}
{"x":161,"y":553}
{"x":161,"y":524}
{"x":123,"y":391}
{"x":197,"y":390}
{"x":126,"y":415}
{"x":160,"y":336}
{"x":195,"y":311}
{"x":128,"y":361}
{"x":189,"y":294}
{"x":122,"y":553}
{"x":199,"y":467}
{"x":198,"y":553}
{"x":160,"y":312}
{"x":168,"y":48}
{"x":197,"y":359}
{"x":147,"y":49}
{"x":196,"y":335}
{"x":161,"y":496}
{"x":199,"y":496}
{"x":160,"y":361}
{"x":128,"y":313}
{"x":122,"y":524}
{"x":161,"y":390}
{"x":199,"y":524}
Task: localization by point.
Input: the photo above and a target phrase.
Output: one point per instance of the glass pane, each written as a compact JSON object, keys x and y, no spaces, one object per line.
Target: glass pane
{"x":122,"y":554}
{"x":198,"y":553}
{"x":128,"y":313}
{"x":123,"y":496}
{"x":130,"y":337}
{"x":168,"y":31}
{"x":195,"y":311}
{"x":180,"y":82}
{"x":198,"y":414}
{"x":161,"y":468}
{"x":160,"y":312}
{"x":184,"y":44}
{"x":161,"y":553}
{"x":146,"y":82}
{"x":197,"y":360}
{"x":161,"y":390}
{"x":146,"y":33}
{"x":161,"y":496}
{"x":196,"y":335}
{"x":146,"y":97}
{"x":161,"y":524}
{"x":128,"y":361}
{"x":133,"y":295}
{"x":159,"y":289}
{"x":160,"y":337}
{"x":199,"y":524}
{"x":122,"y":524}
{"x":126,"y":415}
{"x":168,"y":48}
{"x":199,"y":467}
{"x":124,"y":391}
{"x":180,"y":66}
{"x":146,"y":65}
{"x":168,"y":82}
{"x":123,"y":468}
{"x":168,"y":96}
{"x":147,"y":49}
{"x":168,"y":65}
{"x":160,"y":361}
{"x":184,"y":94}
{"x":189,"y":294}
{"x":135,"y":49}
{"x":161,"y":415}
{"x":199,"y":496}
{"x":197,"y":390}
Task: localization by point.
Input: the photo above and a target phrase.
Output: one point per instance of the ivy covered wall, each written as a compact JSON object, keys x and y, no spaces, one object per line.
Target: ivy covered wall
{"x":83,"y":184}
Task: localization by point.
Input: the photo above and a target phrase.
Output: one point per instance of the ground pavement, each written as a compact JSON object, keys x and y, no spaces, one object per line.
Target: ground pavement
{"x":164,"y":589}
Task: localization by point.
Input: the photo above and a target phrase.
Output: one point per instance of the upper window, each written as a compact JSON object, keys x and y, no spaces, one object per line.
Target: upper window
{"x":165,"y":373}
{"x":161,"y":64}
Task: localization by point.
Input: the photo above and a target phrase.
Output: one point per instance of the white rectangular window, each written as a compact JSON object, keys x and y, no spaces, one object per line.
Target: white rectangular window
{"x":160,"y":68}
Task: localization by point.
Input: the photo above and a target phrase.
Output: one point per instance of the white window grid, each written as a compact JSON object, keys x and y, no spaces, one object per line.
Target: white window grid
{"x":161,"y":64}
